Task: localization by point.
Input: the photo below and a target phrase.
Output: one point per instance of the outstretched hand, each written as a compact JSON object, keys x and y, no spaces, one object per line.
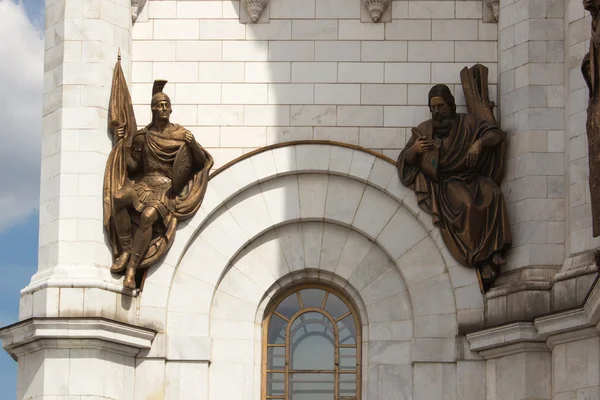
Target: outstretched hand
{"x":473,"y":154}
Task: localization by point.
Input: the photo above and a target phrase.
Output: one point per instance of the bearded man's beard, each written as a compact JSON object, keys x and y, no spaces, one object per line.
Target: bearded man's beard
{"x":442,"y":124}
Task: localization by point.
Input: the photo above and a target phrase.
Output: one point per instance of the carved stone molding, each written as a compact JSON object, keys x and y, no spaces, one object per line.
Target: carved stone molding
{"x":98,"y":333}
{"x":543,"y":333}
{"x":255,"y":8}
{"x":491,"y":11}
{"x":376,"y":8}
{"x":136,"y":8}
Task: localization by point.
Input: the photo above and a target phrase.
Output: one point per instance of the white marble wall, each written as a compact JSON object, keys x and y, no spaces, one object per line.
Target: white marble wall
{"x":576,"y":369}
{"x":82,"y":39}
{"x":68,"y":373}
{"x":520,"y":376}
{"x":320,"y":213}
{"x":531,"y":68}
{"x":307,"y":70}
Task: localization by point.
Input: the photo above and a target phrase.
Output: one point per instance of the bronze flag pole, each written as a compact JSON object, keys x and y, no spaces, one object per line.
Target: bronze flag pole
{"x":121,"y":119}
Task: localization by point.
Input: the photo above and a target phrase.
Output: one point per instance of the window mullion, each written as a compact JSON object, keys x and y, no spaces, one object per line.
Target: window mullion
{"x":287,"y":369}
{"x":336,"y":365}
{"x":286,"y":376}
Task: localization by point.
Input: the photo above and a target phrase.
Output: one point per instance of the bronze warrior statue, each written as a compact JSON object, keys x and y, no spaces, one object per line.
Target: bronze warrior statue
{"x":453,"y":162}
{"x":590,"y":71}
{"x":155,"y":177}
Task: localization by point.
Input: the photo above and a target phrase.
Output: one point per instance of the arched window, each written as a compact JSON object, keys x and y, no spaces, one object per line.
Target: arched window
{"x":311,"y":346}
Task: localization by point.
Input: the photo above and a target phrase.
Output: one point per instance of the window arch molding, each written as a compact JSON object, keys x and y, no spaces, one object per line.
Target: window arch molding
{"x":311,"y":345}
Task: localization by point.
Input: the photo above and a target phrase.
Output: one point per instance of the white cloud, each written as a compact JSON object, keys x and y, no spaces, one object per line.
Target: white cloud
{"x":21,"y":86}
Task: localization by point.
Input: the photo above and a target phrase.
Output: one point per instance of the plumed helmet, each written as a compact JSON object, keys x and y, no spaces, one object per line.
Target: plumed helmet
{"x":157,"y":93}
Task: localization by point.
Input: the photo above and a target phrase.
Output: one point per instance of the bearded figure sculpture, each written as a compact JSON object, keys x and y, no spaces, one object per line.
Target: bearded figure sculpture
{"x":155,"y":177}
{"x":454,"y":162}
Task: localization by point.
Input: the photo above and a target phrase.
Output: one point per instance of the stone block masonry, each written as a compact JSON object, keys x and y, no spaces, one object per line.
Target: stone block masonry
{"x":313,"y":71}
{"x":531,"y":74}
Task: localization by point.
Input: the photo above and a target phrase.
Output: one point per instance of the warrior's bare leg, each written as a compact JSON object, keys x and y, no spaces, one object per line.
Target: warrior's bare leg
{"x":122,"y":201}
{"x":141,"y":241}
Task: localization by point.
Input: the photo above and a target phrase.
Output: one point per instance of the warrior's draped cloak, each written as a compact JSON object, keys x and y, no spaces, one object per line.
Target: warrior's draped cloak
{"x":158,"y":156}
{"x":466,"y":203}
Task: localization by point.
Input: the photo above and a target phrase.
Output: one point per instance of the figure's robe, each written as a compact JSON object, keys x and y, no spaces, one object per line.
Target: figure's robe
{"x":466,"y":203}
{"x":590,"y":68}
{"x":157,"y":158}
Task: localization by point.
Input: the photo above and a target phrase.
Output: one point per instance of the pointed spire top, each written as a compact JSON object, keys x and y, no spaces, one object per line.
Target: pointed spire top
{"x":119,"y":55}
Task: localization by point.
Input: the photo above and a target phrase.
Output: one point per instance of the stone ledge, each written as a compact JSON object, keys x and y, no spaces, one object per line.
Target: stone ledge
{"x":69,"y":276}
{"x":99,"y":333}
{"x":567,"y":337}
{"x":536,"y":291}
{"x":543,"y":333}
{"x":563,"y":322}
{"x":575,"y":272}
{"x":515,"y":348}
{"x":502,"y":336}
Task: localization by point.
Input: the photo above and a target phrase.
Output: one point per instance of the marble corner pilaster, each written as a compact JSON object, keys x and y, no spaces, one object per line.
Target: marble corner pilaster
{"x":79,"y":333}
{"x":75,"y":143}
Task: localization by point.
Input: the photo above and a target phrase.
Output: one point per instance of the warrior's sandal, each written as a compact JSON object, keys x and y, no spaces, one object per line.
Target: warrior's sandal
{"x":121,"y":262}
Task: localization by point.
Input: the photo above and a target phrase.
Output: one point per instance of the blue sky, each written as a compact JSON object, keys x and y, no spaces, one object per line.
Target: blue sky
{"x":21,"y":75}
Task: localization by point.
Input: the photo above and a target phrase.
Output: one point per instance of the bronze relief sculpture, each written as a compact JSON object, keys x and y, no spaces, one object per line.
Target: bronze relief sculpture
{"x":589,"y":68}
{"x":454,"y":163}
{"x":155,"y":177}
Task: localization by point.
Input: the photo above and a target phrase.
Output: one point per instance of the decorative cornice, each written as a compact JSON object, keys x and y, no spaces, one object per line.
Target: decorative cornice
{"x":512,"y":349}
{"x":506,"y":340}
{"x":567,"y":337}
{"x":255,"y":8}
{"x":376,"y":8}
{"x":136,"y":7}
{"x":97,"y":333}
{"x":502,"y":336}
{"x":543,"y":333}
{"x":564,"y":321}
{"x":575,"y":272}
{"x":492,"y":13}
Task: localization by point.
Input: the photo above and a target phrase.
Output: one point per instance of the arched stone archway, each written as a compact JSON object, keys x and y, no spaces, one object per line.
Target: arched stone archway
{"x":305,"y":182}
{"x":207,"y":297}
{"x":315,"y":252}
{"x":347,"y":205}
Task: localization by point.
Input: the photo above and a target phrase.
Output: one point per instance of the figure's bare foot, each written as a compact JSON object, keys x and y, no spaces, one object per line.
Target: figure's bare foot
{"x":129,"y":281}
{"x":487,"y":273}
{"x":498,"y":260}
{"x":121,"y":262}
